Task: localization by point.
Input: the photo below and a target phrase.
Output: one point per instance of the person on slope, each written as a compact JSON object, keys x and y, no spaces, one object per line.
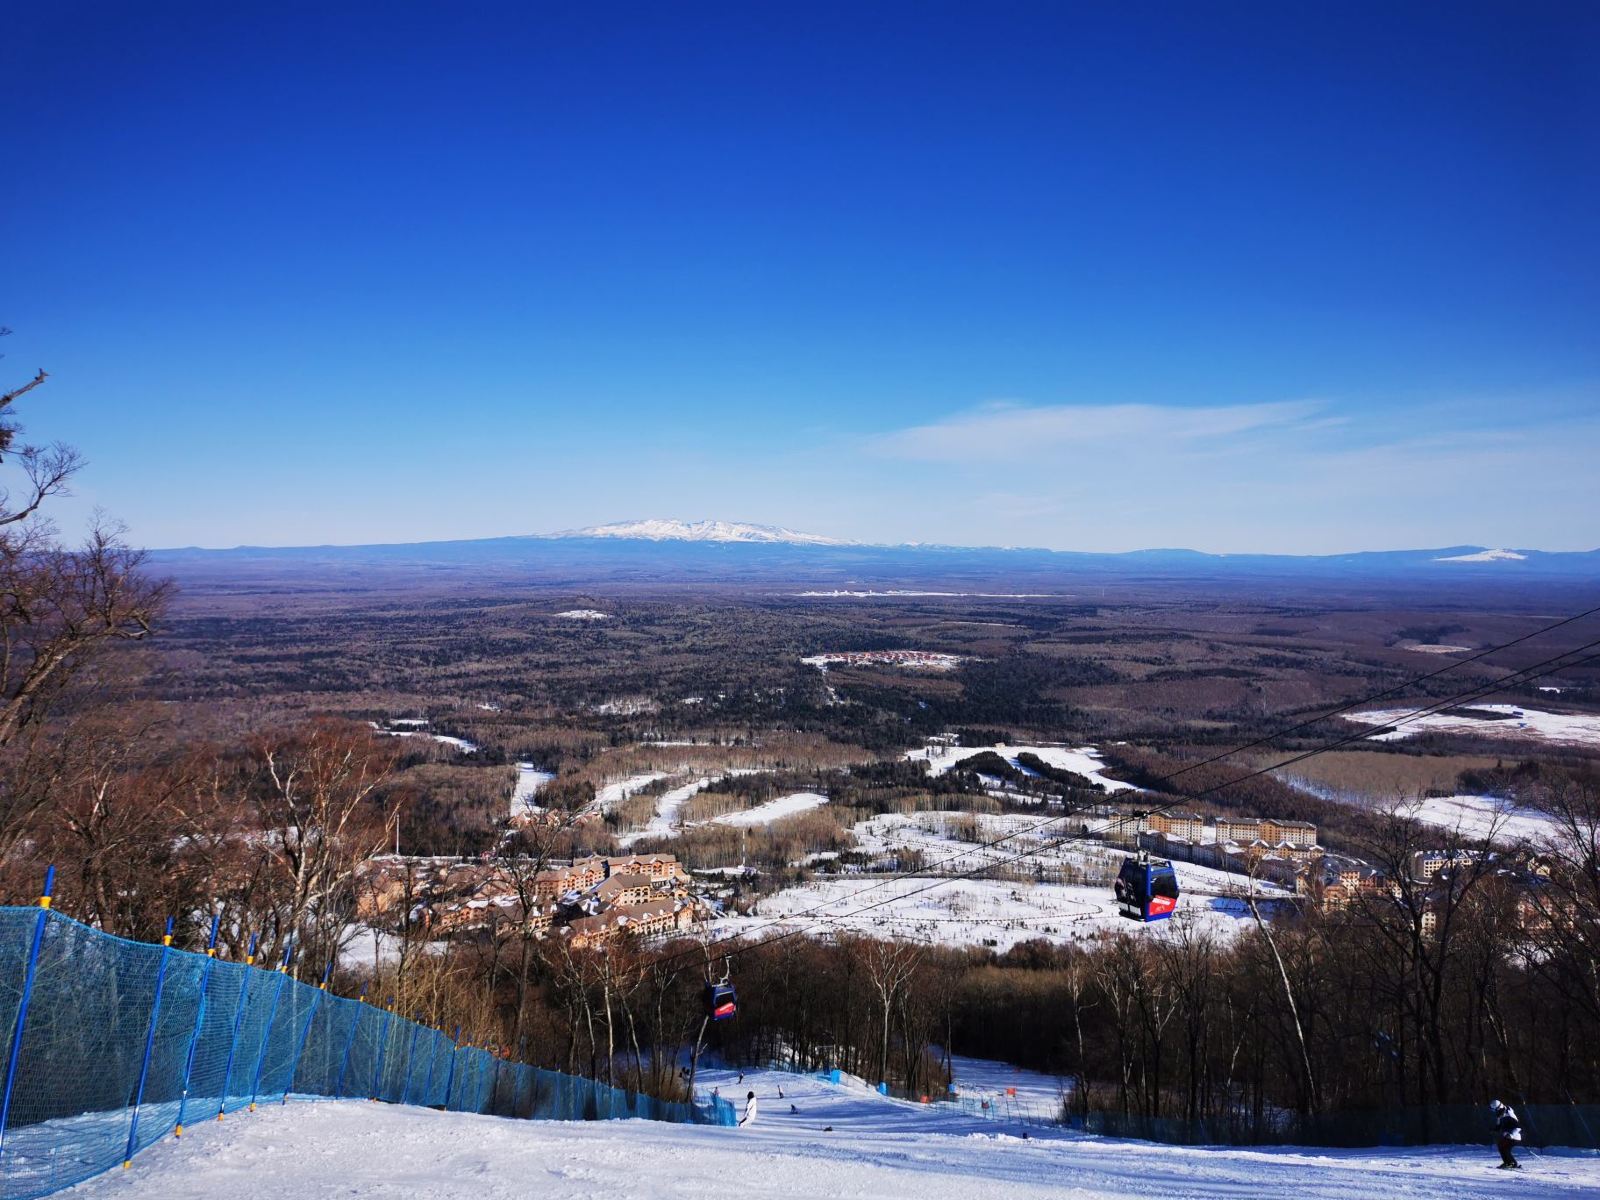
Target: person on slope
{"x":749,"y":1110}
{"x":1508,"y":1132}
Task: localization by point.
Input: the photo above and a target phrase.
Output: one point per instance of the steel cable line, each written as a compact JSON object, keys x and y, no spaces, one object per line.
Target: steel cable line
{"x":1465,"y":697}
{"x":1477,"y":691}
{"x":1343,"y":708}
{"x":818,"y":917}
{"x":1346,"y":707}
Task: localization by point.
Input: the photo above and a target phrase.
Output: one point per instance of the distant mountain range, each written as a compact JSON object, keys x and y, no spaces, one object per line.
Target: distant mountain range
{"x":654,"y":551}
{"x":697,"y":531}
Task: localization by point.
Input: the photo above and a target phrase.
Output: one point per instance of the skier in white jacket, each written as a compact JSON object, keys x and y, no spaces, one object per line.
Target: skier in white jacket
{"x":1508,"y":1132}
{"x":749,"y":1110}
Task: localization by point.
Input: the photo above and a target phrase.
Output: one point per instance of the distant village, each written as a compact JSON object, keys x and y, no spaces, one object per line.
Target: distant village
{"x":588,"y":901}
{"x":1286,"y":853}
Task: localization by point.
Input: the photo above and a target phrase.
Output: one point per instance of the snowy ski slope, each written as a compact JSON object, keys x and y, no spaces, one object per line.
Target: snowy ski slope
{"x":876,"y":1149}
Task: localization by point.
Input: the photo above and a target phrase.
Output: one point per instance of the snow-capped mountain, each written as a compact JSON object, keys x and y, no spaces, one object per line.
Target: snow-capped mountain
{"x":659,"y":530}
{"x":727,"y":551}
{"x":1483,"y":556}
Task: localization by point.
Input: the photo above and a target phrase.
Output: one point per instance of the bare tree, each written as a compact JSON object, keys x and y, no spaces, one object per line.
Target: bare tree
{"x":889,"y":966}
{"x":1298,"y":1018}
{"x":320,"y":804}
{"x":59,"y":606}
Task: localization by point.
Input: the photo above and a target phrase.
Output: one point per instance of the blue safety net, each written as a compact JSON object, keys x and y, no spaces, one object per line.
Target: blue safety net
{"x":111,"y":1045}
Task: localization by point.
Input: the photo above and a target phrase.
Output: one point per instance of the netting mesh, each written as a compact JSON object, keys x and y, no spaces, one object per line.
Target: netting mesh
{"x":119,"y":1042}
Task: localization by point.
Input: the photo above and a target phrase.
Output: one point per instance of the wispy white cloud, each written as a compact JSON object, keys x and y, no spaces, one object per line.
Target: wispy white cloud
{"x":1302,"y":476}
{"x":1001,"y":431}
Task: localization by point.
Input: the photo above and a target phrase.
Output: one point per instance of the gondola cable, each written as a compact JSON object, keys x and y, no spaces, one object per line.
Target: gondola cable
{"x":1478,"y":691}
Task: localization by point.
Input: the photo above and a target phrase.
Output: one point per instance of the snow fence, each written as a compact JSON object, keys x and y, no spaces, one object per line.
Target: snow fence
{"x":112,"y":1044}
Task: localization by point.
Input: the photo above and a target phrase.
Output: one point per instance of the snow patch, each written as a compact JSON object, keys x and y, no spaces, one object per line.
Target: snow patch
{"x":773,"y":810}
{"x":910,"y":660}
{"x":613,"y":794}
{"x":1482,"y":817}
{"x":1523,"y":724}
{"x":417,"y":730}
{"x":1085,"y":760}
{"x":530,"y":779}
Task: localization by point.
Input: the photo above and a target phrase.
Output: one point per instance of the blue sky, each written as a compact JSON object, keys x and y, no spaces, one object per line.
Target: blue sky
{"x":1234,"y":276}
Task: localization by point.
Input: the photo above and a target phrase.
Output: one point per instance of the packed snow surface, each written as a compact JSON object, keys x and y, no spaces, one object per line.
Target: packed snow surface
{"x":1085,"y":760}
{"x":698,"y":531}
{"x":1529,"y":724}
{"x":820,"y":1140}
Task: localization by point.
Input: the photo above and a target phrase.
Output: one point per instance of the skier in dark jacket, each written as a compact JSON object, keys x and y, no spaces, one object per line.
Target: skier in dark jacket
{"x":1508,"y":1132}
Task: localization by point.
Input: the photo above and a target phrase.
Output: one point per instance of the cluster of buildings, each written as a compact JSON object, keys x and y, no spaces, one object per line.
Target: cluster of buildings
{"x":1287,"y":852}
{"x":1271,"y":847}
{"x":923,"y":660}
{"x":1514,"y":880}
{"x":587,"y":901}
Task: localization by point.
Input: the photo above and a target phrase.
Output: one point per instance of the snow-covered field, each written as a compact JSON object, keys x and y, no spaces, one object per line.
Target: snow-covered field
{"x":1085,"y":760}
{"x":1022,"y":841}
{"x":1482,"y":817}
{"x":1529,"y":724}
{"x":819,"y":1141}
{"x":978,"y":912}
{"x":583,"y":614}
{"x":993,"y":912}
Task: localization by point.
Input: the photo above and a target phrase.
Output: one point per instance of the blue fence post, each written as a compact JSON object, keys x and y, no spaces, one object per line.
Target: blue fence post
{"x":22,"y":1007}
{"x":272,"y":1014}
{"x":411,"y":1057}
{"x":427,"y":1083}
{"x":383,"y":1048}
{"x":450,"y":1077}
{"x":199,"y":1017}
{"x":238,"y":1017}
{"x":149,"y":1045}
{"x":305,"y":1033}
{"x":350,"y":1042}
